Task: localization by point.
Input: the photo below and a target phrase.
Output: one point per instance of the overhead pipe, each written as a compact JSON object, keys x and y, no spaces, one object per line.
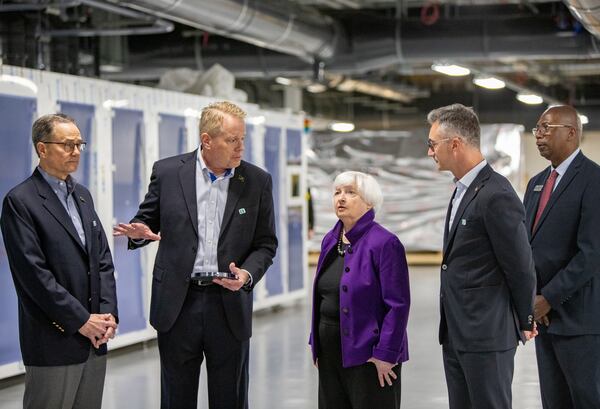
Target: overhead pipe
{"x":309,"y":37}
{"x":587,"y":12}
{"x":157,"y":25}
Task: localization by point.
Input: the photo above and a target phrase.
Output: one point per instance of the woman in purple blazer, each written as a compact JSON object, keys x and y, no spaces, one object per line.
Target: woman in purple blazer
{"x":361,"y":298}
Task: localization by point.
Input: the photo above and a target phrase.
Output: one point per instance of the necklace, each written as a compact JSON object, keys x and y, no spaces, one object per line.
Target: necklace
{"x":340,"y":249}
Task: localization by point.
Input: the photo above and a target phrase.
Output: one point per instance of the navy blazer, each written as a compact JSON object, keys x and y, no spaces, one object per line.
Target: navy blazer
{"x":566,"y":247}
{"x":247,"y":236}
{"x":487,"y":276}
{"x":59,"y":282}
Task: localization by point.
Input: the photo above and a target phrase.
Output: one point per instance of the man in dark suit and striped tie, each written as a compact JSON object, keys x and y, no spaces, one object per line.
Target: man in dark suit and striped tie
{"x":563,"y":222}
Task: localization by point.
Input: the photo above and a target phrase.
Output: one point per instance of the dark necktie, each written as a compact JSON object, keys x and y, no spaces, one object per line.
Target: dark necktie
{"x":546,"y":192}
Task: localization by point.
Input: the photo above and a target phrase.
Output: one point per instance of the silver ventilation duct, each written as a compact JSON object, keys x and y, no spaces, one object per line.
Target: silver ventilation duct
{"x":587,"y":12}
{"x":309,"y":37}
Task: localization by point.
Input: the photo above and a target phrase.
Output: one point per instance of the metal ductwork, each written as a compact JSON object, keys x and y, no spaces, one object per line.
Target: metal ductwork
{"x":587,"y":12}
{"x":310,"y":37}
{"x":462,"y":40}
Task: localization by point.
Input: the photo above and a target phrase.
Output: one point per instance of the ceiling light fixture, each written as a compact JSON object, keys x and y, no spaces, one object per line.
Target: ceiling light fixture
{"x":451,"y":69}
{"x":315,"y":88}
{"x":283,"y":80}
{"x":489,"y":82}
{"x":531,"y":99}
{"x":341,"y":126}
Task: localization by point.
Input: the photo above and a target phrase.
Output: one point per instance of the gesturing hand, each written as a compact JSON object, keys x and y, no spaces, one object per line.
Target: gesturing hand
{"x":136,"y":231}
{"x":384,"y":371}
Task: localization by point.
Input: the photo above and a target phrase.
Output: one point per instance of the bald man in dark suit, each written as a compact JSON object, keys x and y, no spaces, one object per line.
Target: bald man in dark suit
{"x":563,"y":222}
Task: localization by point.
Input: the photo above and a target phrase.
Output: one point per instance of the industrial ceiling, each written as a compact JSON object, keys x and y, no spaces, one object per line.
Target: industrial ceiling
{"x":365,"y":61}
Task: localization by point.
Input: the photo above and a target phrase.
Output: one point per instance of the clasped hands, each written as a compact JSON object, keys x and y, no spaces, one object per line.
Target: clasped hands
{"x":99,"y":328}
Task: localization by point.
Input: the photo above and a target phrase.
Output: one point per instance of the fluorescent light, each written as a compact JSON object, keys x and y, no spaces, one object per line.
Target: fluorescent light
{"x":20,"y":81}
{"x":342,"y":126}
{"x":115,"y":103}
{"x":451,"y":69}
{"x":584,"y":119}
{"x":531,"y":99}
{"x":315,"y":88}
{"x":111,"y":68}
{"x":283,"y":81}
{"x":489,"y":82}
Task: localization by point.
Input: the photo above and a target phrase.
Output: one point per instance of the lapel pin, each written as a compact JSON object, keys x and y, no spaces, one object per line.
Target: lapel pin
{"x":538,"y":188}
{"x":463,"y":222}
{"x":82,"y":199}
{"x":242,"y":211}
{"x":94,"y":223}
{"x":241,"y":179}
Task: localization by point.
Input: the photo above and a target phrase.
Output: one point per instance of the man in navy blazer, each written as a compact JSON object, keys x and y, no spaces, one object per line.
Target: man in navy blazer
{"x":487,"y":275}
{"x":563,"y":222}
{"x":63,"y":273}
{"x":214,"y":213}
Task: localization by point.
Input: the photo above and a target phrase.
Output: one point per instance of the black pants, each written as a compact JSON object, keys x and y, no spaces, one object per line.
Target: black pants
{"x":201,"y":330}
{"x":350,"y":388}
{"x":478,"y":380}
{"x":569,"y":369}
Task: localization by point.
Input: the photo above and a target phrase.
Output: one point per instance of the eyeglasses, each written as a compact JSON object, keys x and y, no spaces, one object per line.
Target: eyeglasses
{"x":69,"y":146}
{"x":544,"y":128}
{"x":431,"y":144}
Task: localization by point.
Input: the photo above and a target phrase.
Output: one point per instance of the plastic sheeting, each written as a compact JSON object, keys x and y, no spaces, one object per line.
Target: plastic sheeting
{"x":416,"y":194}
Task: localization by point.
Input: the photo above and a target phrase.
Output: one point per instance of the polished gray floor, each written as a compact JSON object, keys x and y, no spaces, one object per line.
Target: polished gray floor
{"x":282,"y":375}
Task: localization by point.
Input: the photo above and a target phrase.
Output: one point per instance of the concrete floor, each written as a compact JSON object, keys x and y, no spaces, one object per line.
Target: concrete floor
{"x":281,"y":372}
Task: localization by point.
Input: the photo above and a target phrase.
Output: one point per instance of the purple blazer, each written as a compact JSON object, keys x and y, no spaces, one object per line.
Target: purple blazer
{"x":374,"y":294}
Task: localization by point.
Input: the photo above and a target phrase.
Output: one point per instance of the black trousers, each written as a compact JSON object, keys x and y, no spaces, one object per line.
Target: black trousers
{"x":201,"y":330}
{"x":356,"y":387}
{"x":478,"y":380}
{"x":569,"y":369}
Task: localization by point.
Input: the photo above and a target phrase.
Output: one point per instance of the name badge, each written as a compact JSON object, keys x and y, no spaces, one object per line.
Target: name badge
{"x":538,"y":188}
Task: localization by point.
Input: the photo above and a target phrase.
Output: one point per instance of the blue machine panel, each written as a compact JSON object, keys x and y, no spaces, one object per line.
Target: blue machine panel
{"x":272,"y":154}
{"x":84,"y":117}
{"x":172,"y":136}
{"x":295,"y":262}
{"x":16,"y":117}
{"x":294,"y":146}
{"x":128,"y":159}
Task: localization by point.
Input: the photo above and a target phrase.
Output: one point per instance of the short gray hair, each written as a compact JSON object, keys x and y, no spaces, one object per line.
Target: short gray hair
{"x":43,"y":127}
{"x":367,"y":187}
{"x":459,"y":119}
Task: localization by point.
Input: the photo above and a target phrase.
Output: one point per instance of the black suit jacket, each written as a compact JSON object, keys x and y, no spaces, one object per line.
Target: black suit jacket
{"x":566,"y":247}
{"x":59,"y":282}
{"x":246,"y":238}
{"x":487,"y":277}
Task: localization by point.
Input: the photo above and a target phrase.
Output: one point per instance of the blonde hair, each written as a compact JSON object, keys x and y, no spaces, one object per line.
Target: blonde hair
{"x":367,"y":187}
{"x":211,"y":120}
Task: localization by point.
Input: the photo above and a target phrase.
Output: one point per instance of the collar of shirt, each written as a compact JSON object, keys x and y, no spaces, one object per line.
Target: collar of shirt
{"x":206,"y":171}
{"x":562,"y":168}
{"x":470,"y":176}
{"x":66,"y":186}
